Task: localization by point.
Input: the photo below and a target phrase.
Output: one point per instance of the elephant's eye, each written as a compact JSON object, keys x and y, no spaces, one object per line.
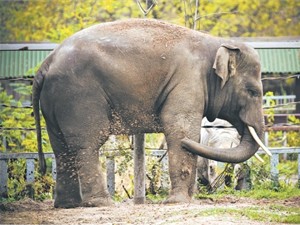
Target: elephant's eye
{"x":253,"y":93}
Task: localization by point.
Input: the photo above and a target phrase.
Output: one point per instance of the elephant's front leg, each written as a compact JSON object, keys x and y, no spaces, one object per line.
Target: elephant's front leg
{"x":182,"y":164}
{"x":182,"y":169}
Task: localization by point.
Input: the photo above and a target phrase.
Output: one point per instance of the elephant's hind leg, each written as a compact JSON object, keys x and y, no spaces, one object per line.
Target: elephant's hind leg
{"x":84,"y":126}
{"x":85,"y":138}
{"x":67,"y":190}
{"x":93,"y":185}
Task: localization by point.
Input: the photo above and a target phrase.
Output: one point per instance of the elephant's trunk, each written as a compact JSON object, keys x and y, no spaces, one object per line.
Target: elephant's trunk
{"x":245,"y":150}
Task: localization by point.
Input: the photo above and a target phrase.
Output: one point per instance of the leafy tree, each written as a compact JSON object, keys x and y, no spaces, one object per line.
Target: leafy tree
{"x":55,"y":20}
{"x":247,"y":18}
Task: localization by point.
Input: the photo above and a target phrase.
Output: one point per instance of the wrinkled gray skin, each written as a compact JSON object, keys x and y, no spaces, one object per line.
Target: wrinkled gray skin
{"x":139,"y":76}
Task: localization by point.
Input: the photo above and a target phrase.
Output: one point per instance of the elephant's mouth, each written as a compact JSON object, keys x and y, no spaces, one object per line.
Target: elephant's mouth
{"x":258,"y":141}
{"x":241,"y":127}
{"x":248,"y":146}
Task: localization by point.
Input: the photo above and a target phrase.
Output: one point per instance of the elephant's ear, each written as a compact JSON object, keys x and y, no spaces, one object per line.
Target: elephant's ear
{"x":225,"y":62}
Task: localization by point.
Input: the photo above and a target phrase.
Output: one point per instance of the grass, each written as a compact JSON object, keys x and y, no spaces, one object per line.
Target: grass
{"x":283,"y":193}
{"x":270,"y":212}
{"x":265,"y":191}
{"x":274,"y":213}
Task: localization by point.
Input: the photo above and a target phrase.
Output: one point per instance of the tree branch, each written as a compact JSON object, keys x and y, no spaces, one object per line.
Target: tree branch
{"x":146,"y":12}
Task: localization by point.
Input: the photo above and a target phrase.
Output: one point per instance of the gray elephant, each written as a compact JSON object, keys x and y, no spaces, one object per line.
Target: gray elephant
{"x":139,"y":76}
{"x":215,"y":136}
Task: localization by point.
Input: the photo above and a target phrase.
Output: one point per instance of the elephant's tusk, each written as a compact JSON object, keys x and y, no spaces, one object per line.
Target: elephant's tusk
{"x":259,"y":142}
{"x":259,"y":158}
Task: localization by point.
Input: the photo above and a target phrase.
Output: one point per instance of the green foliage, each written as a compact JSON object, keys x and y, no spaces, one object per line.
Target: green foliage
{"x":158,"y":197}
{"x":43,"y":186}
{"x":57,"y":19}
{"x":270,"y":111}
{"x":16,"y":183}
{"x":41,"y":189}
{"x":21,"y":141}
{"x":263,"y":187}
{"x":261,"y":190}
{"x":248,"y":18}
{"x":293,"y":138}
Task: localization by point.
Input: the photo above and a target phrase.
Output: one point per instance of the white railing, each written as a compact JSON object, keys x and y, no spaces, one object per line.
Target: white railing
{"x":283,"y":101}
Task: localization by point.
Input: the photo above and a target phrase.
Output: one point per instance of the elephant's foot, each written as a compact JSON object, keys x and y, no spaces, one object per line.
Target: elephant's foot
{"x":71,"y":199}
{"x":59,"y":203}
{"x":97,"y":202}
{"x":178,"y":197}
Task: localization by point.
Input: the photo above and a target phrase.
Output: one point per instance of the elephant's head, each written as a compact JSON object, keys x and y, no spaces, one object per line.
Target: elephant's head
{"x":234,"y":94}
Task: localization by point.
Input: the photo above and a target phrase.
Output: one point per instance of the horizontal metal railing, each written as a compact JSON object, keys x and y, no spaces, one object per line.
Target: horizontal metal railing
{"x":110,"y":165}
{"x":285,"y":102}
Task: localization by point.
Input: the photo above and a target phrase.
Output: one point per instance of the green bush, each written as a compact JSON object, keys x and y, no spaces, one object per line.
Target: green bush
{"x":16,"y":139}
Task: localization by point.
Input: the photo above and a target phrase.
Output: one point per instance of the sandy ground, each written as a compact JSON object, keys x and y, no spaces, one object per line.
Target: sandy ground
{"x":30,"y":212}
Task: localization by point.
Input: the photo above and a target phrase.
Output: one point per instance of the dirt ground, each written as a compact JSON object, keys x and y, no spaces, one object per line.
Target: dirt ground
{"x":31,"y":212}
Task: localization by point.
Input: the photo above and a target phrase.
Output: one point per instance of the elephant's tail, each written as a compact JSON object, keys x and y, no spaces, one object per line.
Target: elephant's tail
{"x":36,"y":92}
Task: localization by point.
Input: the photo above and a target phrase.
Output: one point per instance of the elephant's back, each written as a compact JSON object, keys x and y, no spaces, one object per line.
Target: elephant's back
{"x":136,"y":28}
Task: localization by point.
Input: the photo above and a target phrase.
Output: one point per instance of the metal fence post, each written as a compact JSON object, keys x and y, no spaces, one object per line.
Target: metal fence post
{"x":54,"y":169}
{"x":3,"y":178}
{"x":110,"y":175}
{"x":266,"y":138}
{"x":30,"y":177}
{"x":298,"y":170}
{"x":139,"y":169}
{"x":274,"y":169}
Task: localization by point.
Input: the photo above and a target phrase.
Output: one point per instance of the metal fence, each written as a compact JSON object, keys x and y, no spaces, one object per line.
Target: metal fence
{"x":286,"y":103}
{"x":283,"y":101}
{"x":110,"y":166}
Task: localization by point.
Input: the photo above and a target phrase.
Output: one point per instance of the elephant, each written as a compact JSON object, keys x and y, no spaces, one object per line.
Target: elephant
{"x":143,"y":76}
{"x":213,"y":135}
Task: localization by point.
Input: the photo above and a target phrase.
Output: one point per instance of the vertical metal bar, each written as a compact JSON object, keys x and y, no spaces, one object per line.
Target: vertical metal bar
{"x":4,"y":143}
{"x":53,"y":168}
{"x":267,"y":138}
{"x":285,"y":143}
{"x":3,"y":178}
{"x":110,"y":175}
{"x":139,"y":169}
{"x":30,"y":170}
{"x":30,"y":177}
{"x":274,"y":169}
{"x":298,"y":170}
{"x":165,"y":177}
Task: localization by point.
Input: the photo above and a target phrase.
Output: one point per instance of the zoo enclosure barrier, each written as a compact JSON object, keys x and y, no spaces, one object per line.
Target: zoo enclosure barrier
{"x":110,"y":169}
{"x":285,"y":102}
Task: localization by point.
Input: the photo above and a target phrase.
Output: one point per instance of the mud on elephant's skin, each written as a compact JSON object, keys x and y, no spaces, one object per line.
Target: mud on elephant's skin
{"x":139,"y":76}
